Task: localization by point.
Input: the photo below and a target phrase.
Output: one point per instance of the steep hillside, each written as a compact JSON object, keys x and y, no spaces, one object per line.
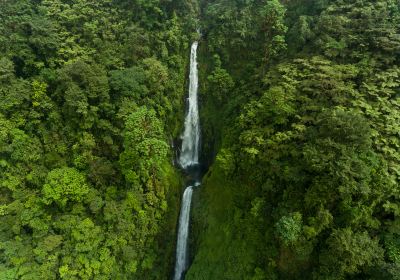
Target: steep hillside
{"x":91,"y":96}
{"x":301,"y":107}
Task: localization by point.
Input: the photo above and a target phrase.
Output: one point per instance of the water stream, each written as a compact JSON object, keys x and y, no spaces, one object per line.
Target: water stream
{"x":189,"y":161}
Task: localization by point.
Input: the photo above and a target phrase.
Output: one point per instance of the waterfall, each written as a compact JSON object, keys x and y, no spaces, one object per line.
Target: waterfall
{"x":189,"y":155}
{"x":183,"y":234}
{"x":188,"y":159}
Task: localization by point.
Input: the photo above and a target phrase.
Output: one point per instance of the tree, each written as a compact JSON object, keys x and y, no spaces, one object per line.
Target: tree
{"x":289,"y":228}
{"x":64,"y":185}
{"x":145,"y":150}
{"x":348,"y":252}
{"x":220,"y":82}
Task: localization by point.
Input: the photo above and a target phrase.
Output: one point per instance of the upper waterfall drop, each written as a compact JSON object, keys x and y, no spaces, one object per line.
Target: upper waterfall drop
{"x":189,"y":155}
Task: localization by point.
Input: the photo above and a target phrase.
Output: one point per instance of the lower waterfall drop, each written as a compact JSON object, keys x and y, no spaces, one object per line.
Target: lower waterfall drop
{"x":183,"y":235}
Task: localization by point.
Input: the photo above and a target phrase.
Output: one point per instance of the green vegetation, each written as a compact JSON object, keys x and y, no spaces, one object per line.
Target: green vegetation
{"x":91,"y":92}
{"x":300,"y":116}
{"x":305,"y":182}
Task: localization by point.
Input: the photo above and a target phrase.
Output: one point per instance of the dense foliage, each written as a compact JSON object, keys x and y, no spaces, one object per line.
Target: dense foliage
{"x":300,"y":115}
{"x":91,"y":92}
{"x":306,"y":180}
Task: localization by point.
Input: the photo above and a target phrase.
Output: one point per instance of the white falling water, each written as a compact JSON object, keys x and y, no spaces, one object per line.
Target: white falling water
{"x":191,"y":136}
{"x":181,"y":248}
{"x":189,"y":157}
